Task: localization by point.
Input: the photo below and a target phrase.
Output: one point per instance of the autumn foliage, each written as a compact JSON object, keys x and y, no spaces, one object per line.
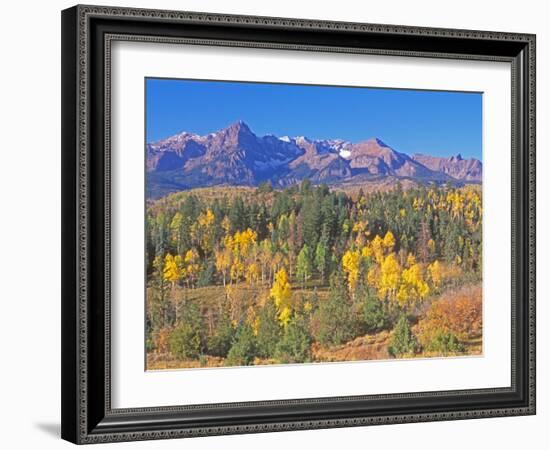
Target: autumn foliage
{"x":458,"y":313}
{"x":243,"y":276}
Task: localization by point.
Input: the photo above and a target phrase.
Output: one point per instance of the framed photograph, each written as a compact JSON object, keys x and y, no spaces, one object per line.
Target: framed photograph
{"x":281,"y":224}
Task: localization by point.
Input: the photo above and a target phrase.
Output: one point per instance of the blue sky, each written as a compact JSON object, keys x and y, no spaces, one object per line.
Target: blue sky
{"x":431,"y":122}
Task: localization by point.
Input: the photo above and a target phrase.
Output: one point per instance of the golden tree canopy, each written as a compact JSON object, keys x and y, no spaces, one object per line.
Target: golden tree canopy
{"x":172,"y":268}
{"x":281,"y":292}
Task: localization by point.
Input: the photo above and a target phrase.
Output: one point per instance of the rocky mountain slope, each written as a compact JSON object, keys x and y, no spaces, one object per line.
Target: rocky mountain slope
{"x":236,"y":156}
{"x":455,"y":166}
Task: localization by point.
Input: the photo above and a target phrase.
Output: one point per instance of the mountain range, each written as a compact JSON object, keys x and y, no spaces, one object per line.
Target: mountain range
{"x":237,"y":156}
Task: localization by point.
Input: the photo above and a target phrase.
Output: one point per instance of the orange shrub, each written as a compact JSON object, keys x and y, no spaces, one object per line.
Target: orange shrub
{"x":458,"y":313}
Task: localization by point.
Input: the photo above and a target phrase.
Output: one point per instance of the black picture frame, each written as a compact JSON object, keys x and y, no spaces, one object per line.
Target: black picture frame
{"x":87,"y":416}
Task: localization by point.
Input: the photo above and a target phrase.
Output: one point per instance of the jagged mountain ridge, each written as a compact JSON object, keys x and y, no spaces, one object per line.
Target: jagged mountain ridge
{"x":237,"y":156}
{"x":455,"y":166}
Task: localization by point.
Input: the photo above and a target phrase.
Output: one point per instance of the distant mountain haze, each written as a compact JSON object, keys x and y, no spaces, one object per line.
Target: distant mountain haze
{"x":236,"y":156}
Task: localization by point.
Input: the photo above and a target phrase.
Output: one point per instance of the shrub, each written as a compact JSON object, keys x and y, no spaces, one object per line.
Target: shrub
{"x":294,"y":347}
{"x":458,"y":313}
{"x":243,"y":351}
{"x":185,"y":341}
{"x":268,"y":332}
{"x":403,"y":342}
{"x":221,"y":340}
{"x":445,"y":343}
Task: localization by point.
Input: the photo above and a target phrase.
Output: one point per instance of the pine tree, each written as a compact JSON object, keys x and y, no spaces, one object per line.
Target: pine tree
{"x":294,"y":346}
{"x":268,"y":331}
{"x":186,"y":340}
{"x":403,"y":342}
{"x":243,"y":350}
{"x":238,"y":215}
{"x":335,"y":316}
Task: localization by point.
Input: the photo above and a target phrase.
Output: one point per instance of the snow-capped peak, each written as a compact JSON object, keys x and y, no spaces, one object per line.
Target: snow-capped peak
{"x":344,"y":153}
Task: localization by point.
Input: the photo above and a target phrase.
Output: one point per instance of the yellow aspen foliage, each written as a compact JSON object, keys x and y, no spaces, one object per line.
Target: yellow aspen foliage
{"x":360,"y":226}
{"x":366,"y":251}
{"x":390,"y":272}
{"x":252,"y":273}
{"x":389,"y":241}
{"x":435,"y":273}
{"x":191,"y":256}
{"x":377,"y":249}
{"x":243,"y":240}
{"x":285,"y":315}
{"x":172,"y":268}
{"x":222,"y":259}
{"x":226,"y":224}
{"x":223,"y":262}
{"x":228,"y":242}
{"x":373,"y":275}
{"x":206,"y":218}
{"x":411,"y":260}
{"x":440,"y":273}
{"x":281,"y":292}
{"x":236,"y":270}
{"x":350,"y":263}
{"x":413,"y":286}
{"x":191,"y":267}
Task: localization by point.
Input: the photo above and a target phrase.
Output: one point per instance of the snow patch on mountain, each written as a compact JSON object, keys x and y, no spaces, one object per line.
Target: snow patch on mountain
{"x":344,"y":153}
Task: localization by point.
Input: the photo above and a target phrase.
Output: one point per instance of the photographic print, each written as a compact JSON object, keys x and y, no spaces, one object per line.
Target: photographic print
{"x":310,"y":224}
